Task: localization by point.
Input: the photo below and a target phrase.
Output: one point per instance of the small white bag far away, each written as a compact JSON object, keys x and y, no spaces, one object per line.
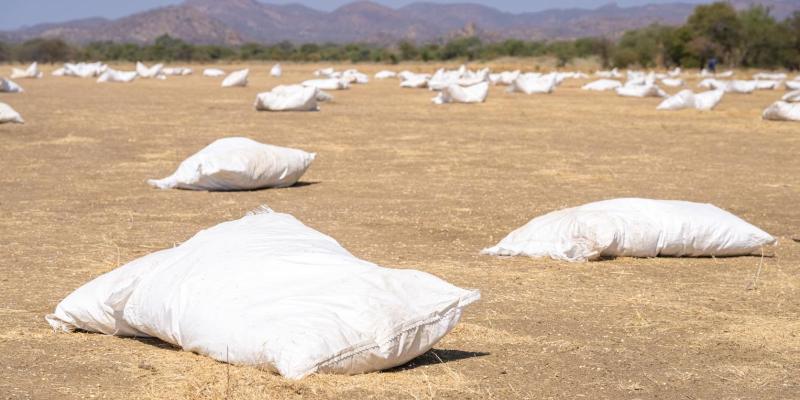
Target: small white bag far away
{"x":236,"y":79}
{"x":640,"y":91}
{"x":8,"y":114}
{"x":268,"y":291}
{"x":687,"y":99}
{"x":601,"y":85}
{"x":288,"y":98}
{"x":32,"y":72}
{"x":459,"y":94}
{"x":327,"y":84}
{"x":9,"y":86}
{"x":213,"y":72}
{"x":238,"y":163}
{"x":276,"y":71}
{"x":533,"y":84}
{"x":634,"y":228}
{"x":111,"y":75}
{"x":385,"y":75}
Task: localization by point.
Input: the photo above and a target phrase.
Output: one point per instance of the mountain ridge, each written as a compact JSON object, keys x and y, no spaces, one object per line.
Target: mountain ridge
{"x":233,"y":22}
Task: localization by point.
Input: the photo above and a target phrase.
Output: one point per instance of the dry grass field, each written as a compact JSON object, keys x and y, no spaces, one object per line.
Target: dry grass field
{"x":406,"y":184}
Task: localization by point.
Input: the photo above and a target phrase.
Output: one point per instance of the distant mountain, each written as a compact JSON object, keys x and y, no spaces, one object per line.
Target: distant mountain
{"x":234,"y":22}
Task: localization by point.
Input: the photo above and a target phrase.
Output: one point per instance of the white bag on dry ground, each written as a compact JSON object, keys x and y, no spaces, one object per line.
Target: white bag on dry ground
{"x":213,"y":72}
{"x":9,"y":86}
{"x":276,"y":71}
{"x":769,"y":76}
{"x":634,"y":228}
{"x":533,"y":84}
{"x":8,"y":114}
{"x":111,"y":75}
{"x":792,"y":97}
{"x":385,"y":75}
{"x":236,"y":79}
{"x":327,"y":84}
{"x":32,"y":72}
{"x":84,"y":70}
{"x":602,"y":85}
{"x":687,"y":99}
{"x":238,"y":163}
{"x":792,"y":85}
{"x":459,"y":94}
{"x":148,"y":73}
{"x":767,"y":85}
{"x":415,"y":81}
{"x":640,"y":91}
{"x":176,"y":71}
{"x":672,"y":82}
{"x":268,"y":291}
{"x":288,"y":98}
{"x":782,"y":111}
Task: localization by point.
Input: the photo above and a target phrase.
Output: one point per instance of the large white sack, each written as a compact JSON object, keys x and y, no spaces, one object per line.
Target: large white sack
{"x":792,"y":85}
{"x":504,"y":78}
{"x":674,"y":73}
{"x":84,"y":70}
{"x":641,"y":91}
{"x":238,"y":163}
{"x":459,"y":94}
{"x":353,"y":76}
{"x":614,"y":73}
{"x":288,"y":98}
{"x":32,"y":72}
{"x":741,"y":87}
{"x":213,"y":72}
{"x":726,"y":74}
{"x":8,"y":114}
{"x":602,"y":85}
{"x":276,"y":71}
{"x":385,"y":75}
{"x":268,"y":291}
{"x":688,"y":99}
{"x":9,"y":86}
{"x":634,"y":228}
{"x":792,"y":97}
{"x":327,"y":84}
{"x":148,"y":73}
{"x":533,"y":84}
{"x":111,"y":75}
{"x":236,"y":79}
{"x":782,"y":111}
{"x":325,"y":72}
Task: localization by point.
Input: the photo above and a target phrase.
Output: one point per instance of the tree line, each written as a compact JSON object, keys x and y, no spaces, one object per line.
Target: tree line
{"x":748,"y":38}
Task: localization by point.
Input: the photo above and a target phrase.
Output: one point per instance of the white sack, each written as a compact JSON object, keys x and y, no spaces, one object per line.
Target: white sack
{"x":415,"y":82}
{"x":288,"y":98}
{"x":176,"y":71}
{"x":634,"y":228}
{"x":688,"y":99}
{"x":85,"y":70}
{"x":276,"y":71}
{"x":213,"y":72}
{"x":672,"y":82}
{"x":9,"y":86}
{"x":602,"y":85}
{"x":111,"y":75}
{"x":327,"y":84}
{"x":269,"y":291}
{"x":459,"y":94}
{"x":8,"y":114}
{"x":726,"y":74}
{"x":385,"y":75}
{"x":32,"y":72}
{"x":782,"y":111}
{"x":767,"y":85}
{"x":148,"y":73}
{"x":533,"y":84}
{"x":238,"y":163}
{"x":769,"y":76}
{"x":236,"y":79}
{"x":792,"y":85}
{"x":641,"y":91}
{"x":792,"y":97}
{"x":674,"y":73}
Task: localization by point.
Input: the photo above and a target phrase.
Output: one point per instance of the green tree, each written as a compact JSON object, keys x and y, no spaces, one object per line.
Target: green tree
{"x":717,"y":31}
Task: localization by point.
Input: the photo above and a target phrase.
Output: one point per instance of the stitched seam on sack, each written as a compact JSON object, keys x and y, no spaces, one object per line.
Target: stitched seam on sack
{"x":463,"y":302}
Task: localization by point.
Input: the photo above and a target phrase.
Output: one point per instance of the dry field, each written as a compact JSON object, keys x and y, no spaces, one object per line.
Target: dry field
{"x":403,"y":183}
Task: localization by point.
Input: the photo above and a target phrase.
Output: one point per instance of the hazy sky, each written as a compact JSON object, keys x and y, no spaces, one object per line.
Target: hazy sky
{"x":18,"y":13}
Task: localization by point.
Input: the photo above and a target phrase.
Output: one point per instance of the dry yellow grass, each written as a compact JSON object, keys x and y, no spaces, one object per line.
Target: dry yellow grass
{"x":406,"y":184}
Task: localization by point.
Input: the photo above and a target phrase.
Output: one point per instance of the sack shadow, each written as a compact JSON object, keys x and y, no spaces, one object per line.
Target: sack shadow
{"x":437,"y":356}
